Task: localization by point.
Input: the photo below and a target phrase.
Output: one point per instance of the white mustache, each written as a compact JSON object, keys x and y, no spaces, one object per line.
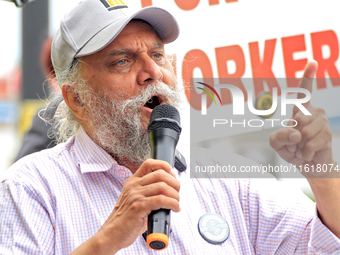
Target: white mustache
{"x":159,"y":88}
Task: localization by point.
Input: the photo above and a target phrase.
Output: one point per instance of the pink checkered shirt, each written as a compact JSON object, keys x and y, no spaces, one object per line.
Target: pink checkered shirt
{"x":54,"y":200}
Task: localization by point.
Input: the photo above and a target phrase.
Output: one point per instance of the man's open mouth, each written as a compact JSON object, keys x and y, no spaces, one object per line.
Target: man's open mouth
{"x":153,"y":102}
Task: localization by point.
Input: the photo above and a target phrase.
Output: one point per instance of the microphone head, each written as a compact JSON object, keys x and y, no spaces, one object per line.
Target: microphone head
{"x":165,"y":116}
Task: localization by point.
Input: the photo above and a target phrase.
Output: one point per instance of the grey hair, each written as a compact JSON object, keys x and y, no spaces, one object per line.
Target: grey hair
{"x":65,"y":124}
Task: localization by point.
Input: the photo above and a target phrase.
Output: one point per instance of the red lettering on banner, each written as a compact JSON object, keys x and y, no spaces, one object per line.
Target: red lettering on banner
{"x":214,"y":2}
{"x":224,"y":54}
{"x":330,"y":39}
{"x":262,"y":67}
{"x":263,"y":70}
{"x":289,"y":46}
{"x":146,"y":3}
{"x":187,"y":5}
{"x":196,"y":59}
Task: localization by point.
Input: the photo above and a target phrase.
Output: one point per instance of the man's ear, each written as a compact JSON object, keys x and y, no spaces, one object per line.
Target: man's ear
{"x":71,"y":98}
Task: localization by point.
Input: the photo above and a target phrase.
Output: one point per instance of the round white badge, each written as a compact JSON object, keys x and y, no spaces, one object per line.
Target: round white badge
{"x":213,"y":228}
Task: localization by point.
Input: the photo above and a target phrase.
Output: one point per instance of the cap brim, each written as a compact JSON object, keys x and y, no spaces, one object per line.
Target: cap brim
{"x":162,"y":22}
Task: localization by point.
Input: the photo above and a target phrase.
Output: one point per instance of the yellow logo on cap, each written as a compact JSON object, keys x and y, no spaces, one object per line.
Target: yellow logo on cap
{"x":114,"y":4}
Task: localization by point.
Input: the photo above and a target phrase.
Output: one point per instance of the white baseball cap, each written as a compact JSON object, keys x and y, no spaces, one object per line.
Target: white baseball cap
{"x":93,"y":24}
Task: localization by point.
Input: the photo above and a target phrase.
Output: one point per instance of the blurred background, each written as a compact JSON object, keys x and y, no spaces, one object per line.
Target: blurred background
{"x":277,"y":38}
{"x":23,"y":85}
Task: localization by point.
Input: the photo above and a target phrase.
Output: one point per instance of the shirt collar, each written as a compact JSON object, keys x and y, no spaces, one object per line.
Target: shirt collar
{"x":93,"y":158}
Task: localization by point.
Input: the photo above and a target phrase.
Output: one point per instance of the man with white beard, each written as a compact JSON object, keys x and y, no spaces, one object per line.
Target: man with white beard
{"x":93,"y":193}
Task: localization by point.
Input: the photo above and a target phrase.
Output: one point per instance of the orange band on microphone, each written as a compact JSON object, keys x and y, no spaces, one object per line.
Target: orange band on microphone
{"x":157,"y":237}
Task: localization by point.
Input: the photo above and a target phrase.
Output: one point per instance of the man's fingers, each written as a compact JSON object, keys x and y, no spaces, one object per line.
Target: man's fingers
{"x":160,"y":176}
{"x":312,"y":147}
{"x":303,"y":120}
{"x":151,"y":165}
{"x":310,"y":69}
{"x":292,"y":148}
{"x":145,"y":197}
{"x":161,"y":188}
{"x":307,"y":79}
{"x":306,"y":88}
{"x":142,"y":208}
{"x":161,"y":201}
{"x":311,"y":130}
{"x":284,"y":137}
{"x":152,"y":187}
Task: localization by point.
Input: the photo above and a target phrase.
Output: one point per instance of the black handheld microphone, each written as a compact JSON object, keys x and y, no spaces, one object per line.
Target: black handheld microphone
{"x":164,"y":130}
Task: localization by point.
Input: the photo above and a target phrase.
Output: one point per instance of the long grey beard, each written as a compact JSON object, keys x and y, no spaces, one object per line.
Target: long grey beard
{"x":118,"y":125}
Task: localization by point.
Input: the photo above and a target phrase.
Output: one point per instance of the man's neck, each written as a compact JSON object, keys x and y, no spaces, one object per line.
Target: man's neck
{"x":132,"y":167}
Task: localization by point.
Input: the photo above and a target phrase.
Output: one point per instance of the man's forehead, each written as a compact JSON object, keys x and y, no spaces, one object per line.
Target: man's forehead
{"x":126,"y":49}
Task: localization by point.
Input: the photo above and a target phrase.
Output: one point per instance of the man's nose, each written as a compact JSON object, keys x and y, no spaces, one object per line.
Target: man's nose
{"x":149,"y":72}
